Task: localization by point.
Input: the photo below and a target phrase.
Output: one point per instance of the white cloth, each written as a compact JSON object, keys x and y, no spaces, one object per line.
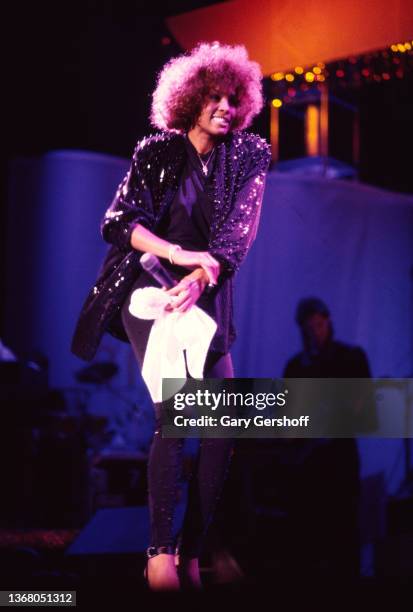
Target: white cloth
{"x":171,"y":334}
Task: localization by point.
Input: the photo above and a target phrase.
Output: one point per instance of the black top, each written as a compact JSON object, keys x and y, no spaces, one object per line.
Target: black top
{"x":188,"y":220}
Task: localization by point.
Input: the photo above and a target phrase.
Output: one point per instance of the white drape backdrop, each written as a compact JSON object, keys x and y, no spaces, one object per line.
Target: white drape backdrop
{"x":347,"y":243}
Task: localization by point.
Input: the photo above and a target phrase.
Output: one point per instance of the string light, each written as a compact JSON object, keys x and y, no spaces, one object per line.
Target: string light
{"x":377,"y":66}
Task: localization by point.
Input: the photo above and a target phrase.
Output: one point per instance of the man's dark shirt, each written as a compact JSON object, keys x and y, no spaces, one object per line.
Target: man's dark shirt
{"x":335,"y":360}
{"x":354,"y":404}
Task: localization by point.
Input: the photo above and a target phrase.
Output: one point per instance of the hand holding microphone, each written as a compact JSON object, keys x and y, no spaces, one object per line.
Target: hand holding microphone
{"x":147,"y":242}
{"x":183,"y":294}
{"x":151,"y":264}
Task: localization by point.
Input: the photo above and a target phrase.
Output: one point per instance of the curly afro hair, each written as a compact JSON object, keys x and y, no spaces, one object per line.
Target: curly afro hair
{"x":185,"y":82}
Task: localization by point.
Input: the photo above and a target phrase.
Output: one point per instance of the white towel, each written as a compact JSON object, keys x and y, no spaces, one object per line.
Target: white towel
{"x":171,"y":334}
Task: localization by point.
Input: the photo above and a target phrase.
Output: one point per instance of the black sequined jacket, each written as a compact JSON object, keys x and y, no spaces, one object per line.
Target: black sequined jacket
{"x":236,"y":190}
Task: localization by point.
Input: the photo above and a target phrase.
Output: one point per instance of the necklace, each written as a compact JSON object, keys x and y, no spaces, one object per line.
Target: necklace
{"x":204,"y":164}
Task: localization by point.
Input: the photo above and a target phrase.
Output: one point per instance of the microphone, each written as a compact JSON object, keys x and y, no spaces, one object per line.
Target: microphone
{"x":151,"y":264}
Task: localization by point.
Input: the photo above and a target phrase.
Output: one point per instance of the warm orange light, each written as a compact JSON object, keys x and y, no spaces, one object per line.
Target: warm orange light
{"x":276,"y":103}
{"x":289,"y":77}
{"x":407,"y":46}
{"x":299,"y":70}
{"x":317,"y":70}
{"x":321,"y":64}
{"x":394,"y":48}
{"x":309,"y":76}
{"x":312,"y":119}
{"x":401,"y":48}
{"x":277,"y":76}
{"x":274,"y":132}
{"x":281,"y":34}
{"x":320,"y":77}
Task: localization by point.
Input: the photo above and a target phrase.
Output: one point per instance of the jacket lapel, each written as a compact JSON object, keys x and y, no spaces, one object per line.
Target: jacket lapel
{"x":170,"y":169}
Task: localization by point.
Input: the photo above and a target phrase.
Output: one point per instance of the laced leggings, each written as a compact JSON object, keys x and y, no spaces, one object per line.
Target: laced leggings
{"x":166,"y":462}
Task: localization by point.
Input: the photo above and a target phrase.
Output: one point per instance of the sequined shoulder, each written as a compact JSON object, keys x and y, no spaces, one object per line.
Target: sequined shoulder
{"x":152,"y":145}
{"x":250,"y":142}
{"x":252,"y":147}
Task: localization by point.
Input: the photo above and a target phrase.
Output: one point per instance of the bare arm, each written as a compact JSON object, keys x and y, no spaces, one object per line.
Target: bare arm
{"x":146,"y":241}
{"x":143,"y":239}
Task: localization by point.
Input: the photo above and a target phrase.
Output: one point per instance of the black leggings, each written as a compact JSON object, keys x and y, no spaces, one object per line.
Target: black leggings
{"x":166,"y":461}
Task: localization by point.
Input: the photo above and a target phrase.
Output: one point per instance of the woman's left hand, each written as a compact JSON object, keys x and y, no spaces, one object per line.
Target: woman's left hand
{"x":187,"y":292}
